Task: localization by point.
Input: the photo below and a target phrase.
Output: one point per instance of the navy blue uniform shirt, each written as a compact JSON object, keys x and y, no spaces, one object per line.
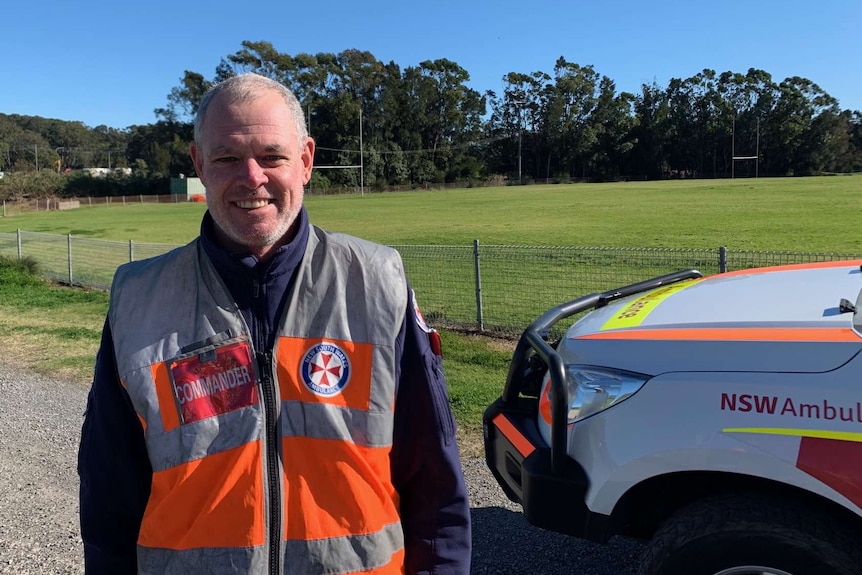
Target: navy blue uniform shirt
{"x":115,"y":470}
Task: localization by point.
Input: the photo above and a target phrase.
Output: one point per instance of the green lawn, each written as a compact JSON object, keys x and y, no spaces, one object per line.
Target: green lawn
{"x":790,"y":214}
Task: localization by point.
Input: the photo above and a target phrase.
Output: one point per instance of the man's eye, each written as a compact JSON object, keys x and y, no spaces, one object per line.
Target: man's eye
{"x":224,"y":160}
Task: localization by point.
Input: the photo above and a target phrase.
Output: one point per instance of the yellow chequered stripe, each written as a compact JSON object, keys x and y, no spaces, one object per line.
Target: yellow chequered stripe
{"x":818,"y":433}
{"x":635,"y":312}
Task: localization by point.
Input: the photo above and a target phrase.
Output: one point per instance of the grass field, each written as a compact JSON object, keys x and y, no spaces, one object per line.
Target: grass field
{"x":788,"y":214}
{"x":56,"y":330}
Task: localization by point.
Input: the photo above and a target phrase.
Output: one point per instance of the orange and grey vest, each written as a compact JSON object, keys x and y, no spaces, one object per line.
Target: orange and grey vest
{"x":266,"y":461}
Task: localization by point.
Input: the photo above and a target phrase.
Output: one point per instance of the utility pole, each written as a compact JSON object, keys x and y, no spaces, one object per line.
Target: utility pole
{"x":757,"y":159}
{"x":520,"y":104}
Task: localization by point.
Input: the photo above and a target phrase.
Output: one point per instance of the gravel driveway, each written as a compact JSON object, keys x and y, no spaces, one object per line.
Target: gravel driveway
{"x":40,"y":424}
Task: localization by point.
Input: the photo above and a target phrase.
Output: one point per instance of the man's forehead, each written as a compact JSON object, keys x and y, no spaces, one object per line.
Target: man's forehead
{"x":248,"y":125}
{"x":227,"y":146}
{"x":260,"y":130}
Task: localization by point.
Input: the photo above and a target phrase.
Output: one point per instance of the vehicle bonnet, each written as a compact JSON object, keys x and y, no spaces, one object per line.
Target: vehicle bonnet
{"x":788,"y":318}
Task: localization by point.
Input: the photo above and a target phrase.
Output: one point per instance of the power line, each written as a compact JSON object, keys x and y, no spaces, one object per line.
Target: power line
{"x":420,"y":151}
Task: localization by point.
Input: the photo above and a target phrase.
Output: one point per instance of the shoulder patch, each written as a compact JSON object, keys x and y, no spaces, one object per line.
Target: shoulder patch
{"x":433,"y":336}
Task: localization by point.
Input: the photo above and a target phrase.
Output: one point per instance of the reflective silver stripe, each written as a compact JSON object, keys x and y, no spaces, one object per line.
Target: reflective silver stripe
{"x":210,"y":560}
{"x":350,"y":554}
{"x":323,"y":421}
{"x":383,"y":393}
{"x":197,"y":440}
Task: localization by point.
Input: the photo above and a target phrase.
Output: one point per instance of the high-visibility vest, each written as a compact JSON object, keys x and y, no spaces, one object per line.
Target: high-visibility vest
{"x":266,"y":460}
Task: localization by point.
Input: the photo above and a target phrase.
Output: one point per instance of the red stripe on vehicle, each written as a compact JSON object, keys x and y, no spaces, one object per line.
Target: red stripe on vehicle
{"x":731,"y":334}
{"x":836,"y":463}
{"x":791,"y":267}
{"x":515,"y":437}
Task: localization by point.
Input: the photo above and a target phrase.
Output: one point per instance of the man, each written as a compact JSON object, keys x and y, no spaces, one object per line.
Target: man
{"x":268,"y":399}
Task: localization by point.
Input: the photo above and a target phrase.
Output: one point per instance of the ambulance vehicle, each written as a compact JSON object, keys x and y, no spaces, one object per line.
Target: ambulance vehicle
{"x":717,"y":418}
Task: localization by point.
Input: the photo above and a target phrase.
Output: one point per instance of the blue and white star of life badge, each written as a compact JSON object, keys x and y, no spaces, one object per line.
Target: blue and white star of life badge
{"x":325,"y":369}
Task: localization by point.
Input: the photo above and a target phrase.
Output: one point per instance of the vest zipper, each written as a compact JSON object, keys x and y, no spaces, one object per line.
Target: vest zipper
{"x":264,"y":360}
{"x":270,"y":397}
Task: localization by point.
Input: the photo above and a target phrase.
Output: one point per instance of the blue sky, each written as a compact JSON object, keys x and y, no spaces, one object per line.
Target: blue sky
{"x":113,"y":63}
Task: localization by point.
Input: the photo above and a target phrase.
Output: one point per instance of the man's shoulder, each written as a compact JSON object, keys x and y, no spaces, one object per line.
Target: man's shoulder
{"x":354,"y":243}
{"x":155,"y":264}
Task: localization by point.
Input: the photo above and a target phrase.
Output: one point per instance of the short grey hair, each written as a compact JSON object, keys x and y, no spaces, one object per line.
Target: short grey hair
{"x":245,"y":88}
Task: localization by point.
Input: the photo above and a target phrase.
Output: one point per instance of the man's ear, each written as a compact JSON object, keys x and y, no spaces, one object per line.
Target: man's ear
{"x":307,"y":156}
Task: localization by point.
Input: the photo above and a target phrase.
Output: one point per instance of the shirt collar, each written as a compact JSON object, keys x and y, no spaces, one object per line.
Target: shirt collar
{"x":285,"y":259}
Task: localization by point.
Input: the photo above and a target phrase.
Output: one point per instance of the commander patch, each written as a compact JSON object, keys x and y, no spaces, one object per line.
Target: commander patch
{"x":213,"y":383}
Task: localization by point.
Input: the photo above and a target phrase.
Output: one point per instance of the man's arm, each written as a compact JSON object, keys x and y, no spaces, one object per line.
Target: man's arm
{"x":426,"y":467}
{"x":114,"y":469}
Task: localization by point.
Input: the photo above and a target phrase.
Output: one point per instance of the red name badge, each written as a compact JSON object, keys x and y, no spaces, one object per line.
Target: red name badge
{"x":214,"y":382}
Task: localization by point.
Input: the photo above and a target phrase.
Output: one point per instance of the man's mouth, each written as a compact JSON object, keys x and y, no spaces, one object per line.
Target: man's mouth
{"x":252,"y":204}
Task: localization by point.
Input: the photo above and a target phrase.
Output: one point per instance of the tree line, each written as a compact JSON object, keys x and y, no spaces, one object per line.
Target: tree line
{"x":423,"y":124}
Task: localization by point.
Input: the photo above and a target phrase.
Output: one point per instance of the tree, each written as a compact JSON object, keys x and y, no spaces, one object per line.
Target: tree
{"x":163,"y":147}
{"x":423,"y":124}
{"x":571,"y":101}
{"x":612,"y":123}
{"x":441,"y":120}
{"x":650,"y":133}
{"x":183,"y":101}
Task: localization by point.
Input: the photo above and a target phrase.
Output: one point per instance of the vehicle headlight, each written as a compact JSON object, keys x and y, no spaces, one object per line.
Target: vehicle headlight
{"x":592,"y":389}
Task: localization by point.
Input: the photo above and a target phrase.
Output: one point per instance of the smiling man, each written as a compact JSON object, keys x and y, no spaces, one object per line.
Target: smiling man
{"x":268,"y":399}
{"x":254,"y":157}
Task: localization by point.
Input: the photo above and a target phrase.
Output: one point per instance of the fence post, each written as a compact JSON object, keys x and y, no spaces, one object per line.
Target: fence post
{"x":4,"y":208}
{"x":131,"y":252}
{"x":20,"y":255}
{"x":142,"y":198}
{"x":479,"y":319}
{"x":722,"y":260}
{"x":69,"y":244}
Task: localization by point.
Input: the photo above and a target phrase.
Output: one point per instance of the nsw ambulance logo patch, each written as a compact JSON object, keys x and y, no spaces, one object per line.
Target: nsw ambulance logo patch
{"x":325,"y":369}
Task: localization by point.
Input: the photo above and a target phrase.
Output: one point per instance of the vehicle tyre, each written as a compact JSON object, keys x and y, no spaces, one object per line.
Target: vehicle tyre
{"x":752,"y":534}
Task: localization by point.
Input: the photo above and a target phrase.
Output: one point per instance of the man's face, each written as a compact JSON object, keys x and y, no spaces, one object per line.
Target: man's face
{"x":254,"y":167}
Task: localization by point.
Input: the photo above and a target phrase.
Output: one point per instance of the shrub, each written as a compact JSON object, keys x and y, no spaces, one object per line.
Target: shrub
{"x":23,"y":272}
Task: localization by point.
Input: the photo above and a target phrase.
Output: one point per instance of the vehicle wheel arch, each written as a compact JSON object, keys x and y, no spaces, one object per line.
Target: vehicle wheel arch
{"x":646,"y":505}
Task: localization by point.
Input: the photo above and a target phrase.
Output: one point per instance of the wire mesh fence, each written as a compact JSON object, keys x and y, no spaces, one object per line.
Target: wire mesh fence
{"x":495,"y":289}
{"x":13,"y":207}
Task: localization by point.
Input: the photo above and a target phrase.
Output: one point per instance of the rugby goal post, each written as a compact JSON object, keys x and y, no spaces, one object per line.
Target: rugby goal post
{"x":734,"y":158}
{"x":361,"y":164}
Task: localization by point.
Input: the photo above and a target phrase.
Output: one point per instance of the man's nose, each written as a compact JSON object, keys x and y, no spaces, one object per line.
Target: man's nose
{"x":253,"y":174}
